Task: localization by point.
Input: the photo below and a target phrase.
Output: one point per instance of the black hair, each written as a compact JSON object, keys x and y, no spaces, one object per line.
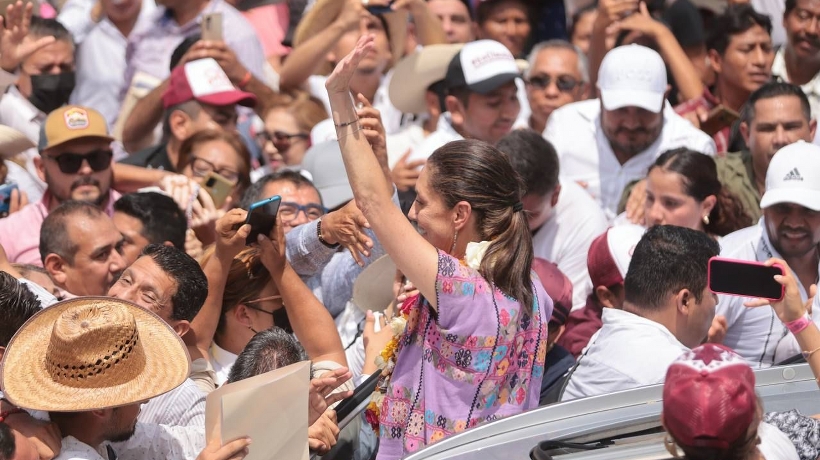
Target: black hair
{"x":183,"y":48}
{"x":190,"y":108}
{"x":790,"y":5}
{"x":42,"y":27}
{"x":776,"y":89}
{"x":577,"y":17}
{"x":533,"y":158}
{"x":268,"y":350}
{"x":161,"y":218}
{"x":17,"y":305}
{"x":254,"y":192}
{"x":734,"y":21}
{"x":667,"y":259}
{"x":7,"y":444}
{"x":485,"y":7}
{"x":191,"y":283}
{"x":54,"y":237}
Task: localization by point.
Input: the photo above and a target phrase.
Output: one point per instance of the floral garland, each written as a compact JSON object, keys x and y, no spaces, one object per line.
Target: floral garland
{"x":386,"y":360}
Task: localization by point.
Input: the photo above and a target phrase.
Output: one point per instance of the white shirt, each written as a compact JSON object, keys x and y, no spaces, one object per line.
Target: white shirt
{"x":812,"y":88}
{"x":73,"y":449}
{"x":222,"y":361}
{"x":755,"y":333}
{"x":409,"y":137}
{"x":444,"y":133}
{"x":101,"y":66}
{"x":586,"y":155}
{"x":774,"y":444}
{"x":391,"y":116}
{"x":566,"y":236}
{"x":629,"y":351}
{"x":182,"y":406}
{"x":18,"y":113}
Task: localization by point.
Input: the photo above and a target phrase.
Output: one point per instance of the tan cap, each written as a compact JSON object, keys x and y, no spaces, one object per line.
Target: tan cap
{"x":71,"y":122}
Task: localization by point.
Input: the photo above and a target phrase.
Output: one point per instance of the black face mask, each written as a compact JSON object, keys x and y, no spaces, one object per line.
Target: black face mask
{"x":50,"y":92}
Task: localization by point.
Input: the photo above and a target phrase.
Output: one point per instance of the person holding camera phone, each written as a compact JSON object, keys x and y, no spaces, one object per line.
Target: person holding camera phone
{"x":788,"y":230}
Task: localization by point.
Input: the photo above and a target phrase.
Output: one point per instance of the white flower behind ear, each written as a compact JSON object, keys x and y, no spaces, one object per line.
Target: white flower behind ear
{"x":475,"y":253}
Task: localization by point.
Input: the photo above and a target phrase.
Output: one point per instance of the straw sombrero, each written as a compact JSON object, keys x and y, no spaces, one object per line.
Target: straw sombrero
{"x":416,"y":72}
{"x":92,"y":353}
{"x":324,"y":12}
{"x":13,"y":142}
{"x":373,"y":288}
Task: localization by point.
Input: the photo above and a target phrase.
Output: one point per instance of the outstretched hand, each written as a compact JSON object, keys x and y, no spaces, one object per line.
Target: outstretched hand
{"x":14,"y":44}
{"x":791,"y":307}
{"x":321,"y":395}
{"x":339,"y":80}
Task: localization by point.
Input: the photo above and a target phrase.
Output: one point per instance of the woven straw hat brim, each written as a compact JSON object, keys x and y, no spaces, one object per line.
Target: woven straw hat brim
{"x":27,"y":383}
{"x":324,"y":12}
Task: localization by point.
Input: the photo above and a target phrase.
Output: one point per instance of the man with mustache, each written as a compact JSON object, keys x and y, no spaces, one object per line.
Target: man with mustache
{"x":788,"y":230}
{"x":604,"y":144}
{"x":798,"y":61}
{"x":75,"y":163}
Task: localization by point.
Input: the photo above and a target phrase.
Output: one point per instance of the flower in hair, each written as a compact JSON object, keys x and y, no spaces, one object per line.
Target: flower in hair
{"x":475,"y":254}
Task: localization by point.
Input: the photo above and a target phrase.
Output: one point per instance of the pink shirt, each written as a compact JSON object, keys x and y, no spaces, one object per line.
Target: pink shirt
{"x":20,"y":232}
{"x":271,"y":24}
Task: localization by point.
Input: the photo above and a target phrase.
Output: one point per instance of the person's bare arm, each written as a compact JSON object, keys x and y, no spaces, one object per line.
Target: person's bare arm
{"x":413,"y":255}
{"x":429,"y":30}
{"x":130,"y":178}
{"x":311,"y":322}
{"x":306,"y":58}
{"x":143,"y":118}
{"x":683,"y":72}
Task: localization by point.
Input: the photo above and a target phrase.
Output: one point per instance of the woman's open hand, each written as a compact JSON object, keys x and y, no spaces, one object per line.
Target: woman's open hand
{"x":339,"y":80}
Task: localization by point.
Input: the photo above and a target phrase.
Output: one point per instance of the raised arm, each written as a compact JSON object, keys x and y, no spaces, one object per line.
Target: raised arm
{"x":311,"y":322}
{"x":429,"y":30}
{"x":306,"y":58}
{"x":413,"y":255}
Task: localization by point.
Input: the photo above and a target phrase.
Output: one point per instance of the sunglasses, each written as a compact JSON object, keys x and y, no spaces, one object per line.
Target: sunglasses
{"x":279,"y":137}
{"x":565,"y":83}
{"x":70,"y":163}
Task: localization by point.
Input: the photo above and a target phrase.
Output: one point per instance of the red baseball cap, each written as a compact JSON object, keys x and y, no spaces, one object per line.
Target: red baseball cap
{"x":205,"y":81}
{"x":709,"y":397}
{"x":558,"y":287}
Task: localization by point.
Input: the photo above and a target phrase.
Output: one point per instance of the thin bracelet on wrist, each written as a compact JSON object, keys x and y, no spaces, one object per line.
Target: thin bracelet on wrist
{"x":342,"y":125}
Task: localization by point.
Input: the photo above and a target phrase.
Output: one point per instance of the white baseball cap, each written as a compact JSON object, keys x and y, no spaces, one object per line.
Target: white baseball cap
{"x":632,"y":76}
{"x":482,"y":66}
{"x":610,"y":253}
{"x":794,"y":177}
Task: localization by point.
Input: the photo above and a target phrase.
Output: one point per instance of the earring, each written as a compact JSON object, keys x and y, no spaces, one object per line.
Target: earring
{"x":453,"y":248}
{"x":670,"y":445}
{"x":706,"y":219}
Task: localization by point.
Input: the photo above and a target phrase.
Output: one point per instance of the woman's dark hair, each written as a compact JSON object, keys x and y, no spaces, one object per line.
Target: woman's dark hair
{"x":478,"y":173}
{"x":700,"y":180}
{"x":230,"y":138}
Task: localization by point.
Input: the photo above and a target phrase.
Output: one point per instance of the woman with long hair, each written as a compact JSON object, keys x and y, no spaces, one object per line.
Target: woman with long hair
{"x":682,"y":188}
{"x":470,"y":348}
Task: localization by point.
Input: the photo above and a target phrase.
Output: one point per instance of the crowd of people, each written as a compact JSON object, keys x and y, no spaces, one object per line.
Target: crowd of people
{"x":485,"y":206}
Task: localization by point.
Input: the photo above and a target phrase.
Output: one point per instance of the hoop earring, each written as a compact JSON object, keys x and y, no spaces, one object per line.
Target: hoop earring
{"x":453,"y":248}
{"x":706,"y":219}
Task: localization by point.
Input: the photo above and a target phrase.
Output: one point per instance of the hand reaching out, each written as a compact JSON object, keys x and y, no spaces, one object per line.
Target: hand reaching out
{"x":405,"y":173}
{"x":346,"y":227}
{"x":791,"y":307}
{"x":323,"y":434}
{"x":371,"y":121}
{"x":14,"y":44}
{"x":339,"y":80}
{"x":320,"y":397}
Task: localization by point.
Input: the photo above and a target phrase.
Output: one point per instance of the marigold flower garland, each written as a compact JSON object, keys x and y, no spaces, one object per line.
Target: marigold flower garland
{"x":386,"y":360}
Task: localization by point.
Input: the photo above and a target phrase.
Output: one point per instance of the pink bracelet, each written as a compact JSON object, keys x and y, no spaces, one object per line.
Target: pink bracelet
{"x":799,"y":324}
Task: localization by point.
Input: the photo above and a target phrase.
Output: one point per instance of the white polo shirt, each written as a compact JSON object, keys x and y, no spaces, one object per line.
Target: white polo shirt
{"x":755,"y":333}
{"x":566,"y":236}
{"x":586,"y":156}
{"x":444,"y":133}
{"x":18,"y":113}
{"x":629,"y":351}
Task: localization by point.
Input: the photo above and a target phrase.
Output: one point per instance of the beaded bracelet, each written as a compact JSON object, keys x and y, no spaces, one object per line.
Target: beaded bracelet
{"x":5,"y":414}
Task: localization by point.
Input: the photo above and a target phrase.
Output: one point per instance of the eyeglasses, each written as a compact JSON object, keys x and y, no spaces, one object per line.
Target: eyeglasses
{"x":201,"y":167}
{"x":70,"y":163}
{"x":289,"y":211}
{"x":279,"y":138}
{"x":565,"y":83}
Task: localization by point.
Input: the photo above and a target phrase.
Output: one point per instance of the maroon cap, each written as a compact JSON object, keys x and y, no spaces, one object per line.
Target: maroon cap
{"x":558,"y":287}
{"x":205,"y":81}
{"x":709,"y":397}
{"x":610,"y":253}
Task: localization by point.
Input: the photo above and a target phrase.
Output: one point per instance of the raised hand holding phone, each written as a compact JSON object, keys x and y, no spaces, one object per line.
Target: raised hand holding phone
{"x":745,"y":278}
{"x":791,"y":307}
{"x":262,"y":217}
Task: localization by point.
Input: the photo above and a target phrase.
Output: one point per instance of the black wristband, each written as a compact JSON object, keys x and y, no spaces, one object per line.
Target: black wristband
{"x":319,"y":234}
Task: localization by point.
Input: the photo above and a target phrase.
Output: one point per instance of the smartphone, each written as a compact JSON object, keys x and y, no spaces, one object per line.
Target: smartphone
{"x":744,"y":278}
{"x":720,"y":117}
{"x":218,"y":187}
{"x":377,"y":10}
{"x":262,"y":218}
{"x":5,"y":198}
{"x":212,"y":27}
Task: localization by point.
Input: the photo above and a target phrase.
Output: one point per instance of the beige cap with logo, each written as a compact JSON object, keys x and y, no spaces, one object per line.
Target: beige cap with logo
{"x":72,"y":122}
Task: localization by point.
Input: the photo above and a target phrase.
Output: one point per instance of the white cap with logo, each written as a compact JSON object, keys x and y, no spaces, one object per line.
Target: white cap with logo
{"x":482,"y":66}
{"x":632,"y":76}
{"x":794,"y":177}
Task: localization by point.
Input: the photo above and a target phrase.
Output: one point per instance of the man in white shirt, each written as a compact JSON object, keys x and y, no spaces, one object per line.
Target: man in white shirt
{"x":667,"y":310}
{"x":789,"y":230}
{"x":604,"y":144}
{"x":481,"y":100}
{"x":562,"y":217}
{"x":92,"y":364}
{"x":798,"y":61}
